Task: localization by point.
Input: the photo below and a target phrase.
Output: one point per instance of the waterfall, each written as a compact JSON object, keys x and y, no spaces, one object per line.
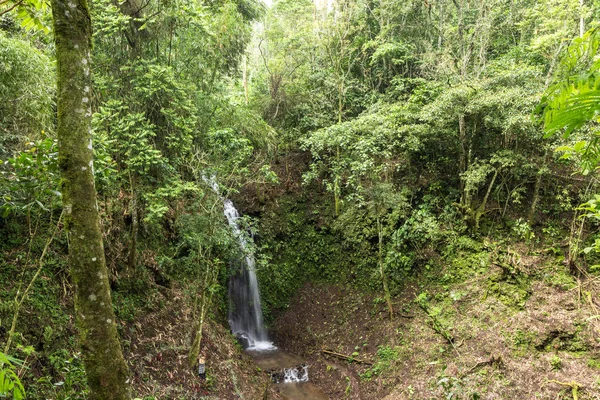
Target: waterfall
{"x":245,"y":312}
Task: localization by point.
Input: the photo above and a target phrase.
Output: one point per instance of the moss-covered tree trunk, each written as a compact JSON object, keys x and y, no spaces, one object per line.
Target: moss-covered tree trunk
{"x":105,"y":367}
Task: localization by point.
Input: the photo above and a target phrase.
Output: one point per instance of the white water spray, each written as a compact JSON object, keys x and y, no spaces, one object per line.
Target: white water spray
{"x":297,"y":374}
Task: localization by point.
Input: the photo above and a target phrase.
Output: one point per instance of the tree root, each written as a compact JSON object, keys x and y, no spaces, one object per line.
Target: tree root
{"x":573,"y":385}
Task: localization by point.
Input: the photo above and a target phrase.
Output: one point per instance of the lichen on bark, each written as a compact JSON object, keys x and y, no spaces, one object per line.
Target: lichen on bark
{"x":105,"y":367}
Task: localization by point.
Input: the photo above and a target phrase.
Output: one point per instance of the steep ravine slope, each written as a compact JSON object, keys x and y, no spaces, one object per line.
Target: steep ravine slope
{"x":484,"y":327}
{"x":157,"y":347}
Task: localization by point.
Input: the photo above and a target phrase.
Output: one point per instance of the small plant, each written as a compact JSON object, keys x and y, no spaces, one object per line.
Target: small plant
{"x":594,"y":363}
{"x":9,"y":381}
{"x":385,"y":356}
{"x":348,"y":386}
{"x":69,"y":368}
{"x":523,"y":230}
{"x":451,"y":386}
{"x":522,"y":338}
{"x":555,"y":362}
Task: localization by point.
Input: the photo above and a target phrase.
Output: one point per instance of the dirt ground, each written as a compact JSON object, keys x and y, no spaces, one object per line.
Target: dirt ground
{"x":546,"y":348}
{"x":532,"y":333}
{"x":156,"y":348}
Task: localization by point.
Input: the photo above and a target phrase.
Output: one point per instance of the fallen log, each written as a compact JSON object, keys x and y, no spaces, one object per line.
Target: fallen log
{"x":345,"y":357}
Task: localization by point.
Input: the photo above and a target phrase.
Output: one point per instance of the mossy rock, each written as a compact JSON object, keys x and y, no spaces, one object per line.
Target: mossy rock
{"x":512,"y":293}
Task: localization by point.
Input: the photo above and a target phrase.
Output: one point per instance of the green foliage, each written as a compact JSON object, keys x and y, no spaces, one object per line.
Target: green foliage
{"x":594,"y":363}
{"x":522,"y":229}
{"x":452,"y":387}
{"x":26,"y":90}
{"x":408,"y":122}
{"x":438,"y":317}
{"x":511,"y":289}
{"x":305,"y":253}
{"x":571,"y":102}
{"x":32,"y":14}
{"x":69,"y":380}
{"x":386,"y":356}
{"x":31,"y":182}
{"x":522,"y":342}
{"x":556,"y":362}
{"x":10,"y":384}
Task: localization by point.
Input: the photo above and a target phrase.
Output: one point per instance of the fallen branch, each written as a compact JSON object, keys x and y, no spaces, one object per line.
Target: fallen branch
{"x":573,"y":385}
{"x":436,"y":324}
{"x":345,"y":357}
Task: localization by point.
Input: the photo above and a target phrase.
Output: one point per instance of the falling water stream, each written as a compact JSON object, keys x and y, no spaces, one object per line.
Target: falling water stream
{"x":287,"y":371}
{"x":245,"y":312}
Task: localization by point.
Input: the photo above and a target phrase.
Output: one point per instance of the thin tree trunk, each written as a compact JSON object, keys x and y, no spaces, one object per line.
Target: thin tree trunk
{"x":106,"y":371}
{"x":131,"y":262}
{"x":336,"y":184}
{"x":440,"y":26}
{"x":245,"y":79}
{"x":210,"y":279}
{"x":536,"y":191}
{"x":581,"y":19}
{"x":481,"y":209}
{"x":462,"y":162}
{"x":386,"y":290}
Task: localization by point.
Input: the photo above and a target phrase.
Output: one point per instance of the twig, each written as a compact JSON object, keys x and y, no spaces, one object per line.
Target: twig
{"x":493,"y":360}
{"x":405,"y":315}
{"x":345,"y":357}
{"x":10,"y":8}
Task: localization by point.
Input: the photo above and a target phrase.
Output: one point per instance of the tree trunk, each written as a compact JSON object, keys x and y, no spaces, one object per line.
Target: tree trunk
{"x":581,"y":19}
{"x":536,"y":191}
{"x":106,"y":371}
{"x":245,"y":79}
{"x":131,"y":261}
{"x":481,"y":209}
{"x":462,"y":162}
{"x":210,"y":278}
{"x":386,"y":290}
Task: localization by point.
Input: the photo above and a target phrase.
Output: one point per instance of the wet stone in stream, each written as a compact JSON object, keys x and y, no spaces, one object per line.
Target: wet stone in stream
{"x":290,"y":375}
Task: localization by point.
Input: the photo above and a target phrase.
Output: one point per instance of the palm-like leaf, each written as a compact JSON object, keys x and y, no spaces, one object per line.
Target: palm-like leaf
{"x":574,"y":101}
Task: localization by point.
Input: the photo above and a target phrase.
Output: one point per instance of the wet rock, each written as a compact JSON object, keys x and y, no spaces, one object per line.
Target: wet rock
{"x":243,"y":340}
{"x":298,"y":373}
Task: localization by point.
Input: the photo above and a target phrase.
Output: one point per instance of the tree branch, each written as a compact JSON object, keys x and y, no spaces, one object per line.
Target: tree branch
{"x":11,"y":8}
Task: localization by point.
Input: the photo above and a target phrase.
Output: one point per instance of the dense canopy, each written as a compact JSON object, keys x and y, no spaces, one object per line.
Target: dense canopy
{"x":411,"y":184}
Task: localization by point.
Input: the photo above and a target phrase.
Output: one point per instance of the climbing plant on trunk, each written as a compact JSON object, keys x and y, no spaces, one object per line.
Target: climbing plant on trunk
{"x":104,"y":364}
